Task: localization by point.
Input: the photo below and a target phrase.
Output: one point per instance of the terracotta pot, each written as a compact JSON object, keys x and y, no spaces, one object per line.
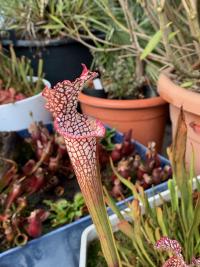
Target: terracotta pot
{"x":190,"y":101}
{"x":146,"y":117}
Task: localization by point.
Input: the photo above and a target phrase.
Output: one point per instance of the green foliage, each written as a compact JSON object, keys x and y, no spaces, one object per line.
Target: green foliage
{"x":178,"y":21}
{"x":187,"y":84}
{"x":118,"y":55}
{"x":44,"y":19}
{"x":18,"y":74}
{"x":63,"y":211}
{"x":170,"y":219}
{"x":107,"y":141}
{"x":115,"y":31}
{"x":95,"y":257}
{"x":119,"y":80}
{"x":177,"y":217}
{"x":152,"y":44}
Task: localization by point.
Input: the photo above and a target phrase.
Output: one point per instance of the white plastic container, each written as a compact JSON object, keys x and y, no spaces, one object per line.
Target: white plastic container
{"x":19,"y":115}
{"x":90,"y":234}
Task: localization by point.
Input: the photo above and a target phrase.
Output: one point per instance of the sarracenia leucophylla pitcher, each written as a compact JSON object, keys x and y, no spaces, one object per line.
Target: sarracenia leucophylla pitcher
{"x":81,"y":134}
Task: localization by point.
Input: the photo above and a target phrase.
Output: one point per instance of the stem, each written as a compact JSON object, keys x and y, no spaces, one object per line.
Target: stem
{"x":170,"y":55}
{"x":45,"y":153}
{"x":81,"y":134}
{"x":133,"y":37}
{"x":89,"y":179}
{"x":192,"y":15}
{"x":148,"y":10}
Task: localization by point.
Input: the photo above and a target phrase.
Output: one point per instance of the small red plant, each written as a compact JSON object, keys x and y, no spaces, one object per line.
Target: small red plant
{"x":39,"y":177}
{"x":10,"y":95}
{"x":16,"y":77}
{"x":130,"y":165}
{"x":34,"y":221}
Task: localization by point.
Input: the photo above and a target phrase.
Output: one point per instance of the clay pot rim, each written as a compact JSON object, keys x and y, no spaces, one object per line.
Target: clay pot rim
{"x":123,"y":104}
{"x":178,"y":96}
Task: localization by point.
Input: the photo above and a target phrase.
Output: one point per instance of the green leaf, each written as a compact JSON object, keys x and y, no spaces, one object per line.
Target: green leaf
{"x":140,"y":244}
{"x":161,"y":222}
{"x":172,"y":35}
{"x":107,"y":141}
{"x":111,"y":203}
{"x":187,"y":84}
{"x":154,"y":41}
{"x":57,"y":20}
{"x":149,"y":231}
{"x":126,"y":228}
{"x":196,"y":221}
{"x":173,"y":194}
{"x":127,"y":183}
{"x":157,"y":233}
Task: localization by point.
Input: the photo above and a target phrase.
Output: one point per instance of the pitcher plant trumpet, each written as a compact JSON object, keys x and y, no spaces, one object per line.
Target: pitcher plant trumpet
{"x":81,"y":135}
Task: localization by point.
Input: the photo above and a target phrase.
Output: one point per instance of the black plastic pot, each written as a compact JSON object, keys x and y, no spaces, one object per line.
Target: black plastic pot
{"x":97,"y":93}
{"x":62,"y":57}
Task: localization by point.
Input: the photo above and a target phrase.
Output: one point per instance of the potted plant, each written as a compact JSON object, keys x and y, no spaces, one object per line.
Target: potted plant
{"x":157,"y":223}
{"x":81,"y":134}
{"x":46,"y":183}
{"x":127,"y":79}
{"x":24,"y":184}
{"x":21,"y":101}
{"x":179,"y":85}
{"x":37,"y":31}
{"x":35,"y":178}
{"x":91,"y":255}
{"x":43,"y":171}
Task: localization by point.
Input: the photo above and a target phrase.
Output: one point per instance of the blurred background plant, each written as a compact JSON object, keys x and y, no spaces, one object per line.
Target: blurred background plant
{"x":33,"y":19}
{"x":37,"y":186}
{"x":176,"y":217}
{"x":64,"y":211}
{"x":179,"y":23}
{"x":16,"y":76}
{"x":126,"y":30}
{"x":37,"y":30}
{"x":115,"y":31}
{"x":38,"y":169}
{"x":137,"y":38}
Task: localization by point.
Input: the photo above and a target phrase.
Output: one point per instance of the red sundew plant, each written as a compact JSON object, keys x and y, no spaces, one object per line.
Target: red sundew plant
{"x":173,"y":246}
{"x":81,"y":135}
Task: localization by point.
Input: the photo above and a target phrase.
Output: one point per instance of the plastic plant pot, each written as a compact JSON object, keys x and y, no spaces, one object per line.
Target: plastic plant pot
{"x":61,"y":247}
{"x":19,"y":115}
